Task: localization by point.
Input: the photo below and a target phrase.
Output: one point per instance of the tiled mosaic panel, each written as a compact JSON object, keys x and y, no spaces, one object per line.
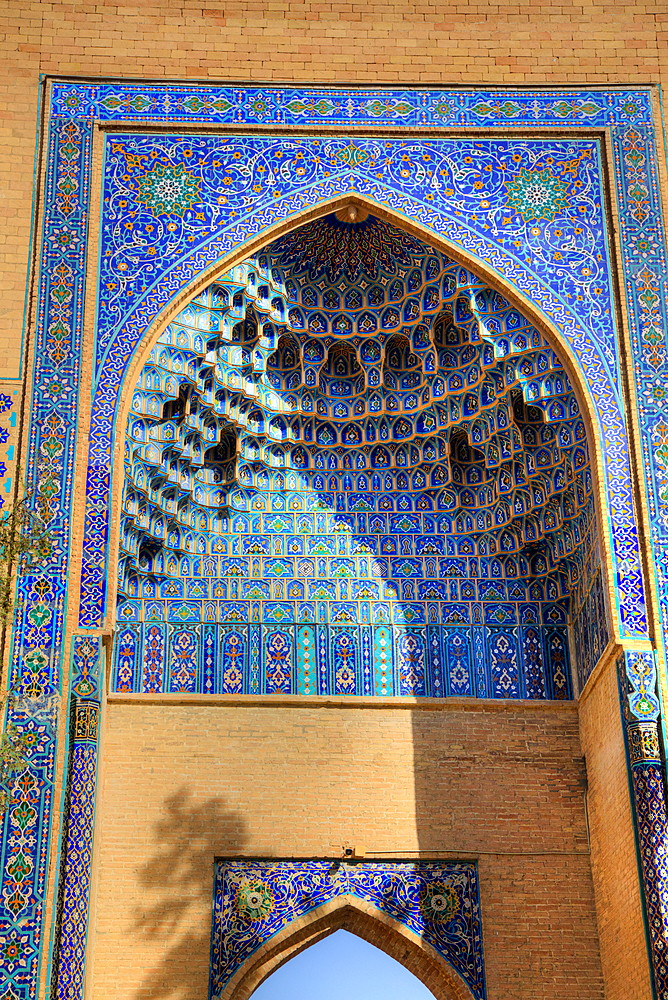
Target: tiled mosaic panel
{"x":76,"y":863}
{"x":636,"y":672}
{"x":485,"y":661}
{"x":628,"y":115}
{"x":38,"y":635}
{"x":437,"y":901}
{"x":8,"y":437}
{"x":590,"y":630}
{"x":547,"y":193}
{"x":144,"y":102}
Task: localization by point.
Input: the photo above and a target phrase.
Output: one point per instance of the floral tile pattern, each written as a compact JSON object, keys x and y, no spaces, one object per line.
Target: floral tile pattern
{"x":437,"y":901}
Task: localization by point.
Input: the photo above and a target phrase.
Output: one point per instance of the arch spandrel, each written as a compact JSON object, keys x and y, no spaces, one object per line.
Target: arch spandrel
{"x":556,"y":320}
{"x":368,"y":923}
{"x":425,"y":915}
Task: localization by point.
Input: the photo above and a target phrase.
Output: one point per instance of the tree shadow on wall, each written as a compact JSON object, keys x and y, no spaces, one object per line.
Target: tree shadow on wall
{"x":176,"y":886}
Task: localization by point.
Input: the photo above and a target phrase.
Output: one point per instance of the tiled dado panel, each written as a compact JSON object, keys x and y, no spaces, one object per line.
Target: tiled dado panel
{"x":490,"y":661}
{"x":281,"y":177}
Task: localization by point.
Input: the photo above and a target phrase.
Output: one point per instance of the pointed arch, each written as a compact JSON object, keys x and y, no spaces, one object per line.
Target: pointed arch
{"x":608,"y":481}
{"x":346,"y":912}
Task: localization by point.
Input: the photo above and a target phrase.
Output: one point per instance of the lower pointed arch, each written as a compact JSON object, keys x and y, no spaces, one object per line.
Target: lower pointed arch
{"x":367,"y":922}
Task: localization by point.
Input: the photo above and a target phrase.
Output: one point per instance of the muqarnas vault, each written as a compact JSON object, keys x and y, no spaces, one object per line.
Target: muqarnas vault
{"x":352,"y":468}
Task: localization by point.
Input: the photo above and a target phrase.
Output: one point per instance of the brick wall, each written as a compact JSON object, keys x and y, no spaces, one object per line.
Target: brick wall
{"x":613,"y":852}
{"x":182,"y":784}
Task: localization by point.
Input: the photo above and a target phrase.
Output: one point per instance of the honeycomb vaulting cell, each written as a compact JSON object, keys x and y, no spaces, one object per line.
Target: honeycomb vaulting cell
{"x":352,"y":468}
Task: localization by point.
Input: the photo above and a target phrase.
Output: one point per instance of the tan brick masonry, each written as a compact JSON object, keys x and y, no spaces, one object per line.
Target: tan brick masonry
{"x":183,"y":784}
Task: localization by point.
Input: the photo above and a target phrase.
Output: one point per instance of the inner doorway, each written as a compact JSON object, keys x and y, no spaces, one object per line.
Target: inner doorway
{"x":342,"y":966}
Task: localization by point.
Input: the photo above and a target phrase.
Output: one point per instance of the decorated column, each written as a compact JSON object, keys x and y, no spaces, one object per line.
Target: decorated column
{"x":76,"y":862}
